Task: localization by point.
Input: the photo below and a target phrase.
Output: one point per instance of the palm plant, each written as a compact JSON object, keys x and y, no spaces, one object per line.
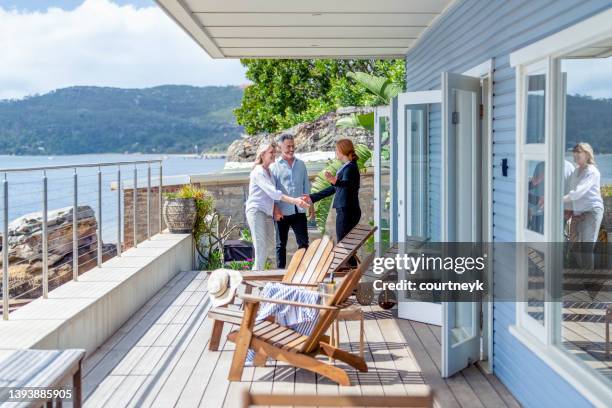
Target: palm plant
{"x":383,"y":89}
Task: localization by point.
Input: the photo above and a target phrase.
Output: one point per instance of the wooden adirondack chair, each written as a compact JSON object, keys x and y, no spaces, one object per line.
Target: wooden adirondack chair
{"x":307,"y":268}
{"x":284,"y":344}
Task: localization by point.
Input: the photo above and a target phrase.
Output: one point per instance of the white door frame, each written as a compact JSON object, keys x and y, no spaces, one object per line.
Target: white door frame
{"x":485,"y":72}
{"x":430,"y":313}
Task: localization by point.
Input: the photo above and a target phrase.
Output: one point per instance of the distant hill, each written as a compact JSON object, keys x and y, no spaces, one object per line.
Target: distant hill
{"x":589,"y":120}
{"x":85,"y":119}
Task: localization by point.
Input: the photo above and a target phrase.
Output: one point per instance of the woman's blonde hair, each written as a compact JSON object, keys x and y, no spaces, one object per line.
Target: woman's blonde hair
{"x":263,"y":147}
{"x":585,"y":148}
{"x":346,"y":148}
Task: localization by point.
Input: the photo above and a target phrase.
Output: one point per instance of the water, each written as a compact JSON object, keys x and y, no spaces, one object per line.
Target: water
{"x":604,"y":164}
{"x":25,"y":189}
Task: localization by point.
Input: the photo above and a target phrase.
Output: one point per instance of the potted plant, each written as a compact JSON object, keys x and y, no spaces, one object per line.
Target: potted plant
{"x":180,"y":211}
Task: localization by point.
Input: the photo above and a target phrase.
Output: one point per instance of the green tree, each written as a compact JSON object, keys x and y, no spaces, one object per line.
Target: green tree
{"x":284,"y":93}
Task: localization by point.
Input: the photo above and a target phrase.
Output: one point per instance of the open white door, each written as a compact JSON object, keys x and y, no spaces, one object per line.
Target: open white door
{"x":461,"y":209}
{"x":412,"y":181}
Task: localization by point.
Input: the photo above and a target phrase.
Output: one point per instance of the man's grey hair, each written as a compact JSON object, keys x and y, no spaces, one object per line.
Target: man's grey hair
{"x":285,"y":136}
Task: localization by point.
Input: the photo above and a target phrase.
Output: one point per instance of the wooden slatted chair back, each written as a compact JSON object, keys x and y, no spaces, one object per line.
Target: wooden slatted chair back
{"x":327,"y":317}
{"x":301,"y":266}
{"x":348,"y":247}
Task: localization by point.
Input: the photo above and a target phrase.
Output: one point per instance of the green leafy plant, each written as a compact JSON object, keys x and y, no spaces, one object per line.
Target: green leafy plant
{"x":206,"y":231}
{"x":240,"y":265}
{"x":245,"y":235}
{"x":382,"y":90}
{"x":285,"y":92}
{"x":320,"y":183}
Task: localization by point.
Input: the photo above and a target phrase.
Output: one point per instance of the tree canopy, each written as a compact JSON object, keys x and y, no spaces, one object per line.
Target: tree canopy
{"x":286,"y":92}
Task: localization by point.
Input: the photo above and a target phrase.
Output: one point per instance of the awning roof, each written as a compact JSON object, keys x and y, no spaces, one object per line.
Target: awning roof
{"x":304,"y":28}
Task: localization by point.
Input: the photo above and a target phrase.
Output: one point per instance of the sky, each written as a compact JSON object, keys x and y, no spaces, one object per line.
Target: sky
{"x":46,"y":45}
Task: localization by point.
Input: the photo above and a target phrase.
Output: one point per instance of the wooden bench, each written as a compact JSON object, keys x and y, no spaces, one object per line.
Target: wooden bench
{"x":42,"y":370}
{"x":423,"y":399}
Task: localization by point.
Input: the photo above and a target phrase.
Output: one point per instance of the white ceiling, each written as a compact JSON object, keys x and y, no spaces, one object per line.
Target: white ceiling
{"x":304,"y":28}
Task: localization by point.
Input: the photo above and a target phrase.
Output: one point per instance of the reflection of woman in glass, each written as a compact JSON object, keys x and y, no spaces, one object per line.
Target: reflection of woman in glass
{"x":535,"y":219}
{"x":585,"y":195}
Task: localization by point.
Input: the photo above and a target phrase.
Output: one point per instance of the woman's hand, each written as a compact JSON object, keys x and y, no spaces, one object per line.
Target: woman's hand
{"x":330,"y":177}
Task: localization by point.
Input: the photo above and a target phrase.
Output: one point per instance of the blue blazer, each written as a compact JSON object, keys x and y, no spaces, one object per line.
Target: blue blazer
{"x":346,"y":188}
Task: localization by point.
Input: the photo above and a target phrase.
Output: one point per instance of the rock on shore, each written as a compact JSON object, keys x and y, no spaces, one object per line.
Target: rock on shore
{"x":317,"y":135}
{"x":25,"y":247}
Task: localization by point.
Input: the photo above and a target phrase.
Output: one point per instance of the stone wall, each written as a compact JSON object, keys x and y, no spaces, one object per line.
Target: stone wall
{"x":230,"y":191}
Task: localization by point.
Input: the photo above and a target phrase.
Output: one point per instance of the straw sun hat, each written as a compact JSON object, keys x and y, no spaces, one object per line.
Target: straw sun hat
{"x":222,"y":286}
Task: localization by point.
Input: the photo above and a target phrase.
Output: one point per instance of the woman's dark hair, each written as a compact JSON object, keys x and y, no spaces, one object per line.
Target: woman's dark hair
{"x":346,"y":148}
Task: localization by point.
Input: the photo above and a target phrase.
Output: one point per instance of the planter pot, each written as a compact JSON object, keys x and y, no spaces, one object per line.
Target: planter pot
{"x":180,"y":215}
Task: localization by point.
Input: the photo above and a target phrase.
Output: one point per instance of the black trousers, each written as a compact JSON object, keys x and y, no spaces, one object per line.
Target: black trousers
{"x":299,"y":224}
{"x":346,"y":219}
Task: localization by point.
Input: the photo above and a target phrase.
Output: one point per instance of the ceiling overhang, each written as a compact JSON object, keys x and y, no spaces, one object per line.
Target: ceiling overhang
{"x":306,"y":28}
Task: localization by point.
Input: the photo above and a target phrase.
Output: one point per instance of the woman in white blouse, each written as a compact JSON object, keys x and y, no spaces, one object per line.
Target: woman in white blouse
{"x":260,"y":204}
{"x":585,"y":195}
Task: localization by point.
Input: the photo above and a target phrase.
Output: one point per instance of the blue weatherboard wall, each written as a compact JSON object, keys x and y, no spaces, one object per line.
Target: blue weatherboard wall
{"x":467,"y":34}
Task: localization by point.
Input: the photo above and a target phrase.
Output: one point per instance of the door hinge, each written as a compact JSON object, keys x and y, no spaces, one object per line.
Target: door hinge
{"x":481,"y":111}
{"x":455,"y":118}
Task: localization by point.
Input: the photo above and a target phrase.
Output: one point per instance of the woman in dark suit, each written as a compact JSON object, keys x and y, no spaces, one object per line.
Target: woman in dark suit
{"x":345,"y":184}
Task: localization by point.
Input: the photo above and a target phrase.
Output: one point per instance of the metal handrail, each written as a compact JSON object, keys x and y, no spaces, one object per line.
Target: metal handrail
{"x":74,"y":166}
{"x":75,"y":236}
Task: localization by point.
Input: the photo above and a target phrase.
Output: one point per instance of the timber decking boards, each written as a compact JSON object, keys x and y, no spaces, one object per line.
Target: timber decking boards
{"x":160,"y":358}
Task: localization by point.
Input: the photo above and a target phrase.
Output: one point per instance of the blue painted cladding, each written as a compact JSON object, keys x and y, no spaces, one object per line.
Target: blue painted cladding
{"x":469,"y":33}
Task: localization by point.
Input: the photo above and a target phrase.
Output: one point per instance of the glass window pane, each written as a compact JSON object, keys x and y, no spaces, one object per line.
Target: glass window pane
{"x":535,"y":285}
{"x":536,"y":98}
{"x":418,"y":182}
{"x":385,"y":182}
{"x":535,"y":196}
{"x":586,"y":309}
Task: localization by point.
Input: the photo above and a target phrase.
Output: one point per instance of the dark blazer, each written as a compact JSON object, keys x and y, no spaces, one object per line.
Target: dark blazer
{"x":346,"y":188}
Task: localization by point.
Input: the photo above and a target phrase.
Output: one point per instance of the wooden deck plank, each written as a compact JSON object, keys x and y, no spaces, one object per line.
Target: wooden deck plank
{"x":457,"y":383}
{"x":369,"y":383}
{"x":388,"y":373}
{"x":443,"y":396}
{"x":196,"y":384}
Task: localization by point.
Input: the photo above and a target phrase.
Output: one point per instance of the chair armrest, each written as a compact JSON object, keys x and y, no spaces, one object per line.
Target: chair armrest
{"x":312,"y":285}
{"x":268,"y":275}
{"x":257,"y":299}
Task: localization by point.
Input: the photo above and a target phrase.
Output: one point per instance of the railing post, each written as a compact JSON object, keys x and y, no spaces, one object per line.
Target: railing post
{"x":45,"y":243}
{"x":99,"y":231}
{"x":135,"y":198}
{"x":148,"y":200}
{"x":160,"y":198}
{"x":75,"y":226}
{"x":5,"y":252}
{"x":119,"y":211}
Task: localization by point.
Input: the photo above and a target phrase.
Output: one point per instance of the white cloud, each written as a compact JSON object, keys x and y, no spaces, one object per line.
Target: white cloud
{"x":103,"y":44}
{"x":591,"y":77}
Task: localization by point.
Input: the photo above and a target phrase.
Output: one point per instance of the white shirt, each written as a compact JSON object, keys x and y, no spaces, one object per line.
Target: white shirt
{"x":585,"y":189}
{"x":262,"y":191}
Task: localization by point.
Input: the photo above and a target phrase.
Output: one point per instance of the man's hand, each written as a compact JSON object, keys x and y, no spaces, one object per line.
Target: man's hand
{"x":306,"y":197}
{"x":277,"y":214}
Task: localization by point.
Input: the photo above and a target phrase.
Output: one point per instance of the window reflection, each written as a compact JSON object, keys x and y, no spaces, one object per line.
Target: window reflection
{"x":587,"y":217}
{"x":535,"y":196}
{"x":536,"y":104}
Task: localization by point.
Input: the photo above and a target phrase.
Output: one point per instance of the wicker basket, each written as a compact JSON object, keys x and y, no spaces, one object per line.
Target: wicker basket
{"x":180,"y":215}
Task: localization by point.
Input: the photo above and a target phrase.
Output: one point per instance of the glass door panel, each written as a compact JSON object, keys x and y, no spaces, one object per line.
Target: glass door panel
{"x":461,"y":203}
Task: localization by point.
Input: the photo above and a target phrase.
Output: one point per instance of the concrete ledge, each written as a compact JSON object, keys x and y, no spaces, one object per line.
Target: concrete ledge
{"x":84,"y":314}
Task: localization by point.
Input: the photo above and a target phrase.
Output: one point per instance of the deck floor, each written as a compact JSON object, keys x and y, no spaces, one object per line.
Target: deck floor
{"x":160,"y":358}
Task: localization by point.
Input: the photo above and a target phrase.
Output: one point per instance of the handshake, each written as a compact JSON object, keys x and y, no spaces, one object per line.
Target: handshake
{"x":303,"y":202}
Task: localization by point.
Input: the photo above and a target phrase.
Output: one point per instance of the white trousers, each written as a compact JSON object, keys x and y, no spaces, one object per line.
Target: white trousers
{"x":264,"y":237}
